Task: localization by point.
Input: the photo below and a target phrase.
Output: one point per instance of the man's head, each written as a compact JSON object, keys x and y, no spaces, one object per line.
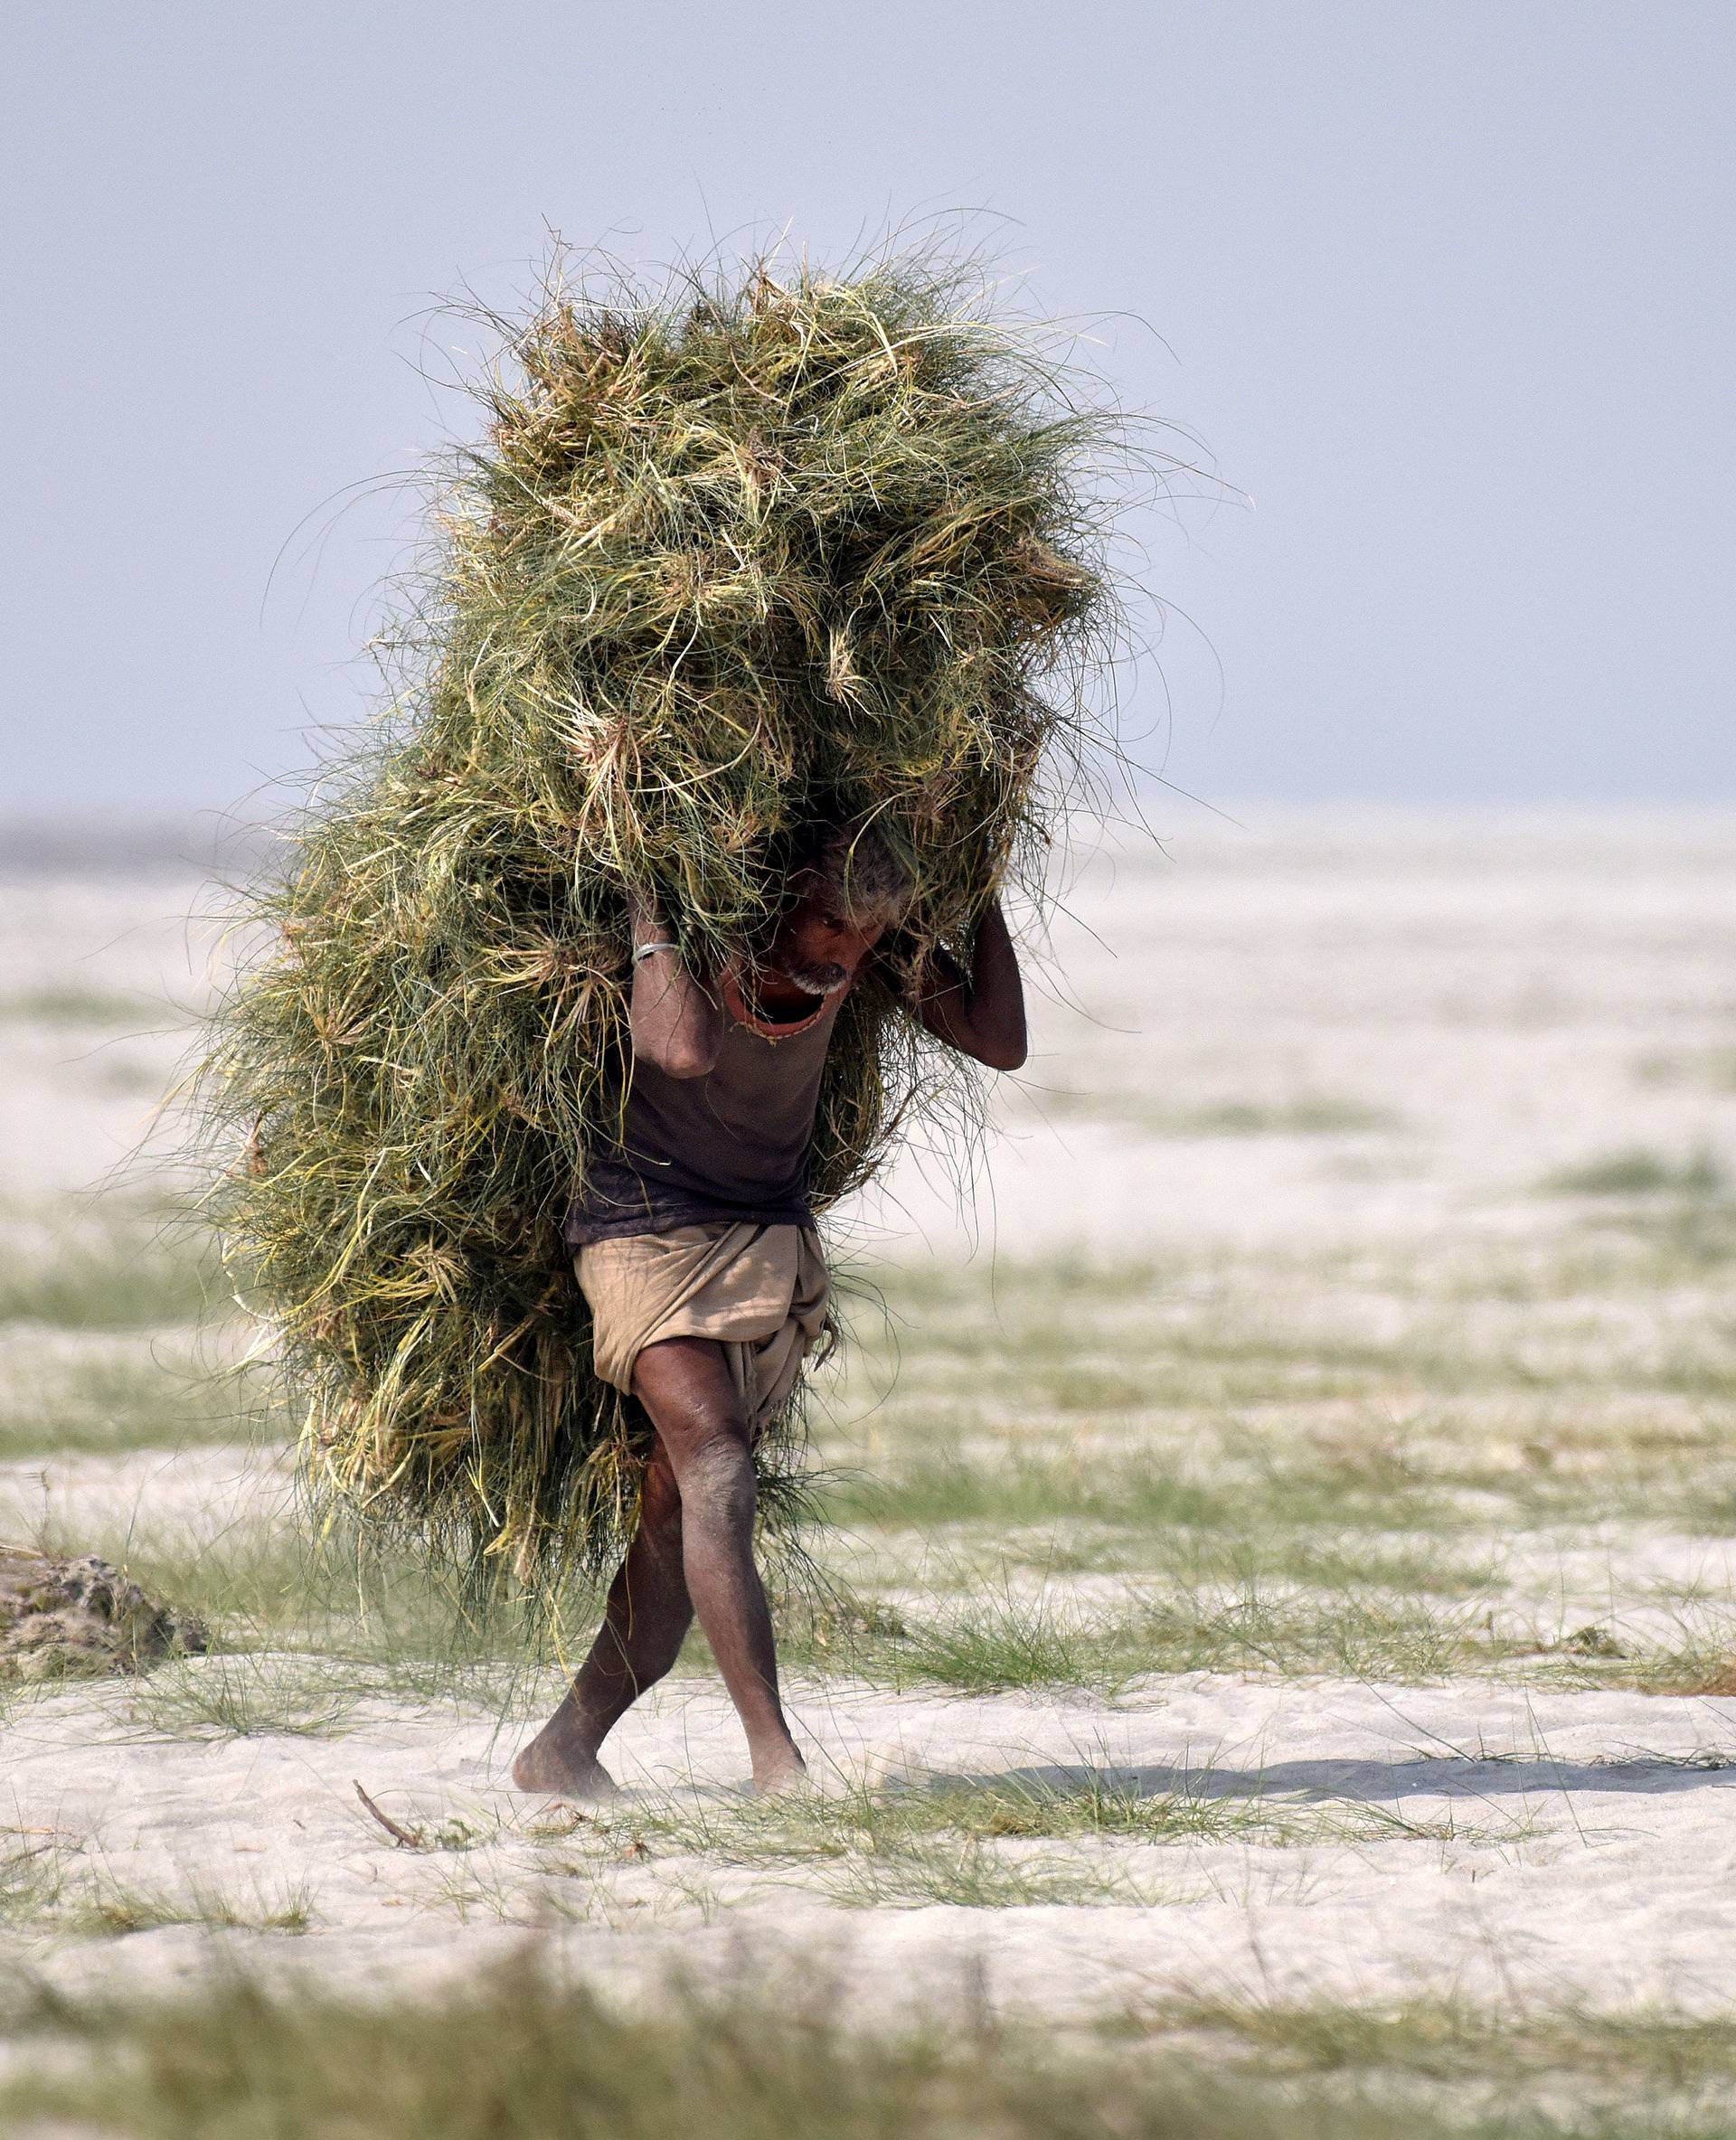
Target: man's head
{"x":850,"y":890}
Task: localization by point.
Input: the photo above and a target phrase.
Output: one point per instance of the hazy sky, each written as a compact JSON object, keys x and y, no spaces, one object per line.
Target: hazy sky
{"x":1444,"y":288}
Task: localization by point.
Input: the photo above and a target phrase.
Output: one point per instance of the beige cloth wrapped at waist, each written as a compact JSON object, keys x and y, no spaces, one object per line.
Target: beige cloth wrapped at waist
{"x":759,"y":1291}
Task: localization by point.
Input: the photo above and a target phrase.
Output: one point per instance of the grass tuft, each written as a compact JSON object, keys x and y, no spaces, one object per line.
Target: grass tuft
{"x":108,"y":1908}
{"x":927,"y":1820}
{"x":32,"y":1878}
{"x":254,"y":1697}
{"x":1011,"y":1642}
{"x":975,"y":1874}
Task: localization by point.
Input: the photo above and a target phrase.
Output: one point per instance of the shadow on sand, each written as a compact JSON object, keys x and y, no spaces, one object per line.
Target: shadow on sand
{"x":1363,"y":1782}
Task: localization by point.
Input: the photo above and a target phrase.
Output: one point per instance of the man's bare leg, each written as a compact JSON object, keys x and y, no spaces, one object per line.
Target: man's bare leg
{"x":683,"y":1383}
{"x":644,"y":1627}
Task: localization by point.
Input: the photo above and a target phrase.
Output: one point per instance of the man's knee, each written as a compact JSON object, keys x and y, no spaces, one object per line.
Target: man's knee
{"x":710,"y":1454}
{"x":702,"y":1425}
{"x":708,"y":1435}
{"x":659,"y":1495}
{"x":693,"y":1405}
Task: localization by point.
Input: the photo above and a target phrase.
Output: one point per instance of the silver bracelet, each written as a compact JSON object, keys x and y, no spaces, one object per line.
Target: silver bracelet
{"x":645,"y":950}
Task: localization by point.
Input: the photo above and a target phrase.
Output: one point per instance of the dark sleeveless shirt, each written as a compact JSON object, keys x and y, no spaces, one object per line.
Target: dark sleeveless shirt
{"x":731,"y":1145}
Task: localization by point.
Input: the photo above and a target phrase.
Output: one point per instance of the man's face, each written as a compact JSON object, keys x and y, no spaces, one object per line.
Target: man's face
{"x":817,"y":945}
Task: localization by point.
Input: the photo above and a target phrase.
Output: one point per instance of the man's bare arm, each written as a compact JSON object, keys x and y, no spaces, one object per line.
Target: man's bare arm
{"x":674,"y":1020}
{"x":980,"y":1013}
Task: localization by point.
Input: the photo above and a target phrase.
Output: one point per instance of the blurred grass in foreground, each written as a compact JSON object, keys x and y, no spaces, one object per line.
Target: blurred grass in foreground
{"x":514,"y":2056}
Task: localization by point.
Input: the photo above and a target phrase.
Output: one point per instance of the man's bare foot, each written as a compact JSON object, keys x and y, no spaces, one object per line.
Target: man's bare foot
{"x":780,"y":1774}
{"x":554,"y":1772}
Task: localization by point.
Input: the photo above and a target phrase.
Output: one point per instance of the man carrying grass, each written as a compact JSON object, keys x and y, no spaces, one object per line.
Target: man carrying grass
{"x":696,"y":1250}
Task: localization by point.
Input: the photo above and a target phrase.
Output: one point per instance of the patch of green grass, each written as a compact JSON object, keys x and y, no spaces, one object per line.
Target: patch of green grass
{"x":566,"y":1891}
{"x":103,"y":1009}
{"x":1713,"y":1067}
{"x":240,"y":1697}
{"x":1641,"y":1171}
{"x":1701,"y":1660}
{"x":1416,"y":1565}
{"x":1024,"y":1486}
{"x":942,"y":1814}
{"x":1234,"y":1489}
{"x":106,"y":1405}
{"x":1254,"y":1516}
{"x":1253,"y":1421}
{"x":44,"y":1890}
{"x":1005,"y":1644}
{"x":1000,"y":1644}
{"x":127,"y":1278}
{"x":1685,"y":1239}
{"x":345,"y":1627}
{"x":970,"y":1873}
{"x":108,"y":1908}
{"x":1348,"y":1636}
{"x":515,"y":2054}
{"x":32,"y":1877}
{"x":1306,"y":1114}
{"x":1059,"y":1351}
{"x":985,"y":1649}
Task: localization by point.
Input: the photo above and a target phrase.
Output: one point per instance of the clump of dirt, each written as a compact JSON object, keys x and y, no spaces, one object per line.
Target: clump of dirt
{"x":78,"y":1617}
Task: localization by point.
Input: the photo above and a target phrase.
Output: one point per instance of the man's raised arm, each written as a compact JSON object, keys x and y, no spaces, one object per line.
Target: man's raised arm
{"x":980,"y":1013}
{"x":674,"y":1020}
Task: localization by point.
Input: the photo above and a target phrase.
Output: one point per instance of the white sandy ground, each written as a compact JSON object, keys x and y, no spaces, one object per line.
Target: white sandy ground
{"x":1500,"y":1000}
{"x":1594,"y":1848}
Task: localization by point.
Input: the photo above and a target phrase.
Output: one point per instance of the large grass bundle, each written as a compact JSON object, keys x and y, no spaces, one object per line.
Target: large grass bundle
{"x":723,"y":561}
